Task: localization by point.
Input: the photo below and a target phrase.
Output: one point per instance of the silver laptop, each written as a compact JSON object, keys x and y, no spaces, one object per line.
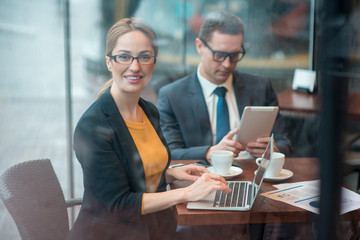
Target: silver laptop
{"x":243,"y":193}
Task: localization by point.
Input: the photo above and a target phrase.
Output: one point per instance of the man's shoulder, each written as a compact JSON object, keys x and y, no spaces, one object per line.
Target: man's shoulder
{"x":179,"y":84}
{"x":248,"y":77}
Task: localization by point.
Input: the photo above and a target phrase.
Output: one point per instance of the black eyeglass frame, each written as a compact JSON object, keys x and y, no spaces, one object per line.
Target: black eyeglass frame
{"x":132,"y":59}
{"x":226,"y":54}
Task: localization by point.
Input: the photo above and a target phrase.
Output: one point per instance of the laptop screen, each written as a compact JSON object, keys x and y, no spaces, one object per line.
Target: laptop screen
{"x":259,"y":176}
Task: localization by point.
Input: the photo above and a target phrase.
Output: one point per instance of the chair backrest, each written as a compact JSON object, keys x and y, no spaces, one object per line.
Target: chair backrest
{"x":32,"y":194}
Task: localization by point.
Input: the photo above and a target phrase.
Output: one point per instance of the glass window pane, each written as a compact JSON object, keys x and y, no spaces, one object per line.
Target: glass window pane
{"x":32,"y":89}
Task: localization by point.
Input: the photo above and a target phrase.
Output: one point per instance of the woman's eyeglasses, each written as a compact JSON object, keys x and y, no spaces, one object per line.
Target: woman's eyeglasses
{"x":128,"y":59}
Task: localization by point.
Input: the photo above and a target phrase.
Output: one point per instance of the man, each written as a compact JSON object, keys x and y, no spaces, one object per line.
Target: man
{"x":188,"y":107}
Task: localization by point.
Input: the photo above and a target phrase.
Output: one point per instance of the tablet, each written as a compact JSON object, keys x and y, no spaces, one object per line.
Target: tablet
{"x":256,"y":122}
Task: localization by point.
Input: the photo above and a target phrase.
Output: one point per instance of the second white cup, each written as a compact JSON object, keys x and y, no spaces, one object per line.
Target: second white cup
{"x":222,"y":161}
{"x":277,"y":163}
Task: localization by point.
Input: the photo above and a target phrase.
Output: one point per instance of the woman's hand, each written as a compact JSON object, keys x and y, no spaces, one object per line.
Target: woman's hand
{"x":206,"y":184}
{"x":189,"y":172}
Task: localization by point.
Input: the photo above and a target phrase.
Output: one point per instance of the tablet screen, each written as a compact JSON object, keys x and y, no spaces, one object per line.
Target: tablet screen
{"x":256,"y":122}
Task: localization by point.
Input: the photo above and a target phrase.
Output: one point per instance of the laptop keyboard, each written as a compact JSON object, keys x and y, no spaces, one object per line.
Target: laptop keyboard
{"x":238,"y":197}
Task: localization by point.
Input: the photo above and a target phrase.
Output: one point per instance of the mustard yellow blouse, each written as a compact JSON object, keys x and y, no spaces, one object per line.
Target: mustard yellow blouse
{"x":152,"y":152}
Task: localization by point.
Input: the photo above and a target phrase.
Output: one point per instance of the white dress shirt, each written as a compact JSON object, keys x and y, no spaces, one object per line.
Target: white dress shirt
{"x":211,"y":102}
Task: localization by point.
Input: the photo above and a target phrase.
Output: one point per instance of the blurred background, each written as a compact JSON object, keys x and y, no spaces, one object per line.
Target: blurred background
{"x":34,"y":115}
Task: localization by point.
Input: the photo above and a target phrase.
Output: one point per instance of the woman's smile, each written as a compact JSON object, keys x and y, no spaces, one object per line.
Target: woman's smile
{"x":133,"y":78}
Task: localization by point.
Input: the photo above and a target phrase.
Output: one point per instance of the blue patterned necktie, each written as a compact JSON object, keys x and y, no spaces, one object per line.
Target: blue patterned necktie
{"x":222,"y":114}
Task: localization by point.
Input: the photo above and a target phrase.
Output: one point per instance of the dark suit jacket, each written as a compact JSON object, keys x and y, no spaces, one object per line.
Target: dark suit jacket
{"x":184,"y":117}
{"x":114,"y":178}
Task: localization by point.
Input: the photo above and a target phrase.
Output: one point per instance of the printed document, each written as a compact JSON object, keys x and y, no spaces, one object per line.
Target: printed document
{"x":306,"y":195}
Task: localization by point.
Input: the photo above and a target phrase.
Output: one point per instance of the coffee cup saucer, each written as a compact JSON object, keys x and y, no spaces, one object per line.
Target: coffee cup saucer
{"x":233,"y":172}
{"x":284,"y":175}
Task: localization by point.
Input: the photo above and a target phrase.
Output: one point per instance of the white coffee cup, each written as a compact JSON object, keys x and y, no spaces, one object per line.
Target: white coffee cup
{"x":277,"y":163}
{"x":222,"y":160}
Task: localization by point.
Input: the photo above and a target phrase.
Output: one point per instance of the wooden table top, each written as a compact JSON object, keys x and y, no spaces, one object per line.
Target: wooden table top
{"x":310,"y":103}
{"x":264,"y":210}
{"x":293,"y":101}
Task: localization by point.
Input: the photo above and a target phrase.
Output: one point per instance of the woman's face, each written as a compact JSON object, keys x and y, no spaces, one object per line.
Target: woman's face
{"x":131,"y":77}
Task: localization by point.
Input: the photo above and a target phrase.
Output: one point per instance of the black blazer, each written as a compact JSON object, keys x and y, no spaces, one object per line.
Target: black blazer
{"x":185,"y":120}
{"x":113,"y":175}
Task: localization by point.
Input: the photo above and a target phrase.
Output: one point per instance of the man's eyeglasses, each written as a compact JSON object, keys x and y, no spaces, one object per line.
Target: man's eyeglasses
{"x":128,"y":59}
{"x":219,"y":56}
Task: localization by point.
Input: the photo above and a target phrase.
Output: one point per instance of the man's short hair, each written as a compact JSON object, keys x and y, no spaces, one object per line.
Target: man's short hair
{"x":223,"y":22}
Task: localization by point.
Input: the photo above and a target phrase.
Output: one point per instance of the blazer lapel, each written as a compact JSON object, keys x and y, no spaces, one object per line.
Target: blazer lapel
{"x":156,"y":124}
{"x":198,"y":105}
{"x":127,"y":145}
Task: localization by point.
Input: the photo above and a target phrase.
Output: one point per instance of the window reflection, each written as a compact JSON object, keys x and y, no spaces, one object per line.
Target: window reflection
{"x":276,"y":36}
{"x":32,"y":88}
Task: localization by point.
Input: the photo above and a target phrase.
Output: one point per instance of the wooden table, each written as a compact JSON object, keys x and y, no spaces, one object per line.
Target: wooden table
{"x":301,"y":103}
{"x":310,"y":103}
{"x":264,"y":210}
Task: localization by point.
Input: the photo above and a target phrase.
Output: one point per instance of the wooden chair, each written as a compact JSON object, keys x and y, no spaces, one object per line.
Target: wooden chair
{"x":33,"y":196}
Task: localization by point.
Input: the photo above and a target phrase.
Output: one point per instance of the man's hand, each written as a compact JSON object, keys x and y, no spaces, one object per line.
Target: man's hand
{"x":258,"y":147}
{"x":227,"y":143}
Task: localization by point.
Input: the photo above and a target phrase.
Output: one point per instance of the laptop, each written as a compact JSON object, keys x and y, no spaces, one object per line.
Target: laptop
{"x":243,"y":193}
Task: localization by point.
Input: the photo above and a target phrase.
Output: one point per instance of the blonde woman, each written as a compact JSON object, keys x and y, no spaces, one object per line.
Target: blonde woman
{"x":123,"y":153}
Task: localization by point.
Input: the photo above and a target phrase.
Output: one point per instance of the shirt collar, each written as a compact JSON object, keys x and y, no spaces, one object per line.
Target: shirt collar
{"x":209,"y":87}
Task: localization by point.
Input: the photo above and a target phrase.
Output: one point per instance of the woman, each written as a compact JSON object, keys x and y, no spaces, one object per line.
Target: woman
{"x":123,"y":153}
